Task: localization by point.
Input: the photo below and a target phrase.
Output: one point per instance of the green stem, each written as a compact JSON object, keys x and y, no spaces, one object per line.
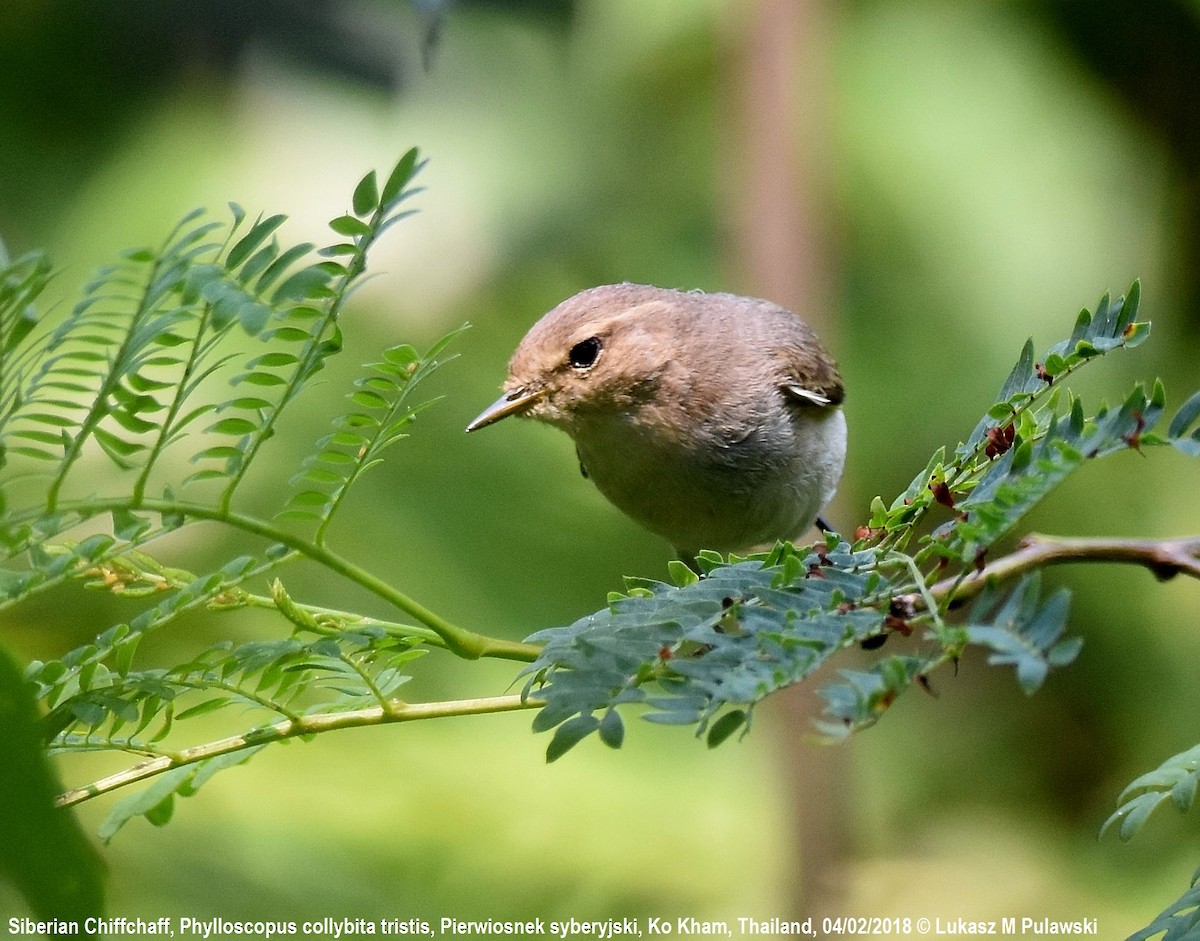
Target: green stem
{"x":367,"y":678}
{"x":166,"y":432}
{"x":459,"y":641}
{"x":99,"y":408}
{"x":294,"y":728}
{"x":922,"y":589}
{"x":208,"y":683}
{"x":304,"y":369}
{"x":319,"y":613}
{"x":962,"y":467}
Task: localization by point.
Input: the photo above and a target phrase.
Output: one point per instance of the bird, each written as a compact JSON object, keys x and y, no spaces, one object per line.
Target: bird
{"x":711,"y":419}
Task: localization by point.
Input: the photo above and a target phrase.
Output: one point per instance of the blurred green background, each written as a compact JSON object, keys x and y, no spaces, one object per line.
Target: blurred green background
{"x":928,"y":182}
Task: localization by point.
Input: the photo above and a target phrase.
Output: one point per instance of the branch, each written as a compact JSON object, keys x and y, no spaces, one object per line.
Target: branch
{"x":1165,"y":558}
{"x":293,"y":728}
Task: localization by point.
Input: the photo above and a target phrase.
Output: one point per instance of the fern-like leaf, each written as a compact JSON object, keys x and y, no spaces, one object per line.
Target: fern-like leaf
{"x":1010,"y":421}
{"x":1175,"y":780}
{"x":383,"y":411}
{"x":1180,"y":921}
{"x":1023,"y":631}
{"x":157,"y":801}
{"x":714,"y":645}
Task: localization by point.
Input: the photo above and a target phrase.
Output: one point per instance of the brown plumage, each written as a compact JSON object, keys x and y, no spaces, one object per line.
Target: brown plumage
{"x":711,"y":419}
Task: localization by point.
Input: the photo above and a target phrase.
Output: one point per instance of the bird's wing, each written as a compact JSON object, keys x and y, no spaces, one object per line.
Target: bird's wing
{"x":808,"y":374}
{"x":808,"y":396}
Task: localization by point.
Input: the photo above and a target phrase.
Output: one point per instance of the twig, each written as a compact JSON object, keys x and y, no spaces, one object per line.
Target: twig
{"x":1165,"y":558}
{"x":293,"y":728}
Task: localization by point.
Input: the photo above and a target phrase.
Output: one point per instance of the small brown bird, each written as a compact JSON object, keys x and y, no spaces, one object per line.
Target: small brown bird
{"x":713,"y":420}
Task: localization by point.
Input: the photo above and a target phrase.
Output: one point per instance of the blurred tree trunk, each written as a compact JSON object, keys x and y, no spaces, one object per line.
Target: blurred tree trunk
{"x":775,"y":142}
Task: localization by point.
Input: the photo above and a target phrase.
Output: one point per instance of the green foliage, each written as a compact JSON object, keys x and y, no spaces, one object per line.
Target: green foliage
{"x":156,"y":803}
{"x":1180,"y":921}
{"x":711,"y":644}
{"x":194,"y":350}
{"x":91,"y":707}
{"x":1023,"y":631}
{"x":132,"y":368}
{"x":44,"y":852}
{"x":1175,"y":780}
{"x":1028,"y":441}
{"x":1187,"y":441}
{"x":384,"y":410}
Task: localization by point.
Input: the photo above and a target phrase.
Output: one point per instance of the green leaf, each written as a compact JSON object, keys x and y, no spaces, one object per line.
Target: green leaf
{"x":233,"y":426}
{"x":94,"y":546}
{"x":146,"y":801}
{"x":1187,"y":414}
{"x":335,"y":457}
{"x":261,"y":379}
{"x":368,"y":399}
{"x":404,"y":356}
{"x":310,"y":498}
{"x":681,"y":574}
{"x":612,"y":729}
{"x":1176,"y":779}
{"x":274,"y":359}
{"x":218,"y":453}
{"x":199,"y":280}
{"x":117,"y":448}
{"x":1179,"y":921}
{"x":350,"y":226}
{"x":289,"y":334}
{"x":204,"y":708}
{"x":253,"y":239}
{"x":1023,"y":632}
{"x":1134,"y":813}
{"x":44,"y":853}
{"x":342,"y":249}
{"x":1178,"y":431}
{"x":366,"y":195}
{"x":258,"y":263}
{"x":131,"y":422}
{"x":725,"y":726}
{"x":406,"y":168}
{"x":142,"y":383}
{"x":253,"y":317}
{"x":281,"y":264}
{"x":249,"y":404}
{"x":302,"y":284}
{"x":128,"y":525}
{"x":400,"y":216}
{"x":570,"y":734}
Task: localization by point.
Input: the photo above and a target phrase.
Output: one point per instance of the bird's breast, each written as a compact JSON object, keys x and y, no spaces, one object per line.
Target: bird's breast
{"x":725,"y":485}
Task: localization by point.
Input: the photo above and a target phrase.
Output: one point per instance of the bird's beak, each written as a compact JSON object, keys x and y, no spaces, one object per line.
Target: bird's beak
{"x":508,"y":404}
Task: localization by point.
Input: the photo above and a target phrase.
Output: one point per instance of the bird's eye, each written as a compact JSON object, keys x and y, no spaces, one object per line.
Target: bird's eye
{"x":584,"y":353}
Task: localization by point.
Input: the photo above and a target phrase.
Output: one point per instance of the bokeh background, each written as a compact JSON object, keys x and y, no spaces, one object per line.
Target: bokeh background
{"x":928,"y":182}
